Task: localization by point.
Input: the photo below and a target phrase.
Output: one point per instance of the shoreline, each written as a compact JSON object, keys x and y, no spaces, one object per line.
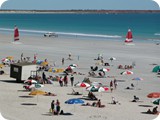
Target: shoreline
{"x":79,"y":11}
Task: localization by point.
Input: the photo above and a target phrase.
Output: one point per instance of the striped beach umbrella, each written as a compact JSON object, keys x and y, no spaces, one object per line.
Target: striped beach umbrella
{"x":82,"y":84}
{"x":30,"y":81}
{"x":104,"y":69}
{"x":103,"y":89}
{"x":92,"y":88}
{"x":156,"y":101}
{"x":127,"y":72}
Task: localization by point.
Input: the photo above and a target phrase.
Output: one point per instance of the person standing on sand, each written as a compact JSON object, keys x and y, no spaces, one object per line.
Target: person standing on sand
{"x":65,"y":79}
{"x":111,"y":86}
{"x":35,"y":56}
{"x":57,"y":107}
{"x":22,"y":57}
{"x":72,"y":80}
{"x":115,"y":83}
{"x":62,"y":61}
{"x":61,"y":81}
{"x":52,"y":106}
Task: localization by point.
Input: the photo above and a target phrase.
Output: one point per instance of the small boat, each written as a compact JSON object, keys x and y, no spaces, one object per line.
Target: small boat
{"x":129,"y":37}
{"x":129,"y":40}
{"x":49,"y":34}
{"x":16,"y":33}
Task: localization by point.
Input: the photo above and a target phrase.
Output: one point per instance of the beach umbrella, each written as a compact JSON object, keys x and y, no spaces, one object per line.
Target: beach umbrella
{"x":82,"y":84}
{"x":137,"y":79}
{"x":45,"y":63}
{"x":156,"y":68}
{"x":9,"y":57}
{"x":52,"y":70}
{"x":73,"y":65}
{"x":103,"y":89}
{"x":104,"y":69}
{"x":156,"y":101}
{"x":92,"y":88}
{"x":97,"y":84}
{"x":127,"y":72}
{"x":37,"y":92}
{"x":39,"y":62}
{"x":154,"y":95}
{"x":35,"y":86}
{"x":74,"y":101}
{"x":112,"y":58}
{"x":6,"y":61}
{"x":30,"y":81}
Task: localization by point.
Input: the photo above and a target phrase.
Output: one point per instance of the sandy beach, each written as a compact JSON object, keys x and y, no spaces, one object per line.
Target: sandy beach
{"x":145,"y":55}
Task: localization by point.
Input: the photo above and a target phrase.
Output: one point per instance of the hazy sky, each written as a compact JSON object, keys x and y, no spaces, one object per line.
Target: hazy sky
{"x":80,"y":4}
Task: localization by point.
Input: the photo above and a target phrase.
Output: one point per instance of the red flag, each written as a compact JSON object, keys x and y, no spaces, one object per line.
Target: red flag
{"x":16,"y":34}
{"x":129,"y":37}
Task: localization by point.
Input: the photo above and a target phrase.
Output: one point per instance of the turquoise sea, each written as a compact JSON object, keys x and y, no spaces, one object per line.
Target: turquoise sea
{"x":144,"y":26}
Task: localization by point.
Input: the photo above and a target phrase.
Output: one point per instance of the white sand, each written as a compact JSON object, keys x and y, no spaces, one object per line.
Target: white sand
{"x":54,"y":49}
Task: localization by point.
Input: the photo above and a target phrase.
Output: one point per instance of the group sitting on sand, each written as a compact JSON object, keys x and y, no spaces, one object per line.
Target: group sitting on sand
{"x":95,"y":104}
{"x":91,"y":96}
{"x":125,"y":67}
{"x":154,"y":111}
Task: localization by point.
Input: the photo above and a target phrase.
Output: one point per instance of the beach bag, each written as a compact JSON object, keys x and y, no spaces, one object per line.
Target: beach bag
{"x":50,"y":110}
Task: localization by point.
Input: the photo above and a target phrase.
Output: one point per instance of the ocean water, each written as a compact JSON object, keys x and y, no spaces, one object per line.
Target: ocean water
{"x":144,"y":26}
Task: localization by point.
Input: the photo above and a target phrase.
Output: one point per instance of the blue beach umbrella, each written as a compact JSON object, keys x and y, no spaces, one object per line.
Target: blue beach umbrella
{"x":74,"y":101}
{"x":137,"y":78}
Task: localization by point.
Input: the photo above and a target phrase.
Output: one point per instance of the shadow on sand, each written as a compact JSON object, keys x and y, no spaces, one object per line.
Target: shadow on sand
{"x":28,"y":104}
{"x":145,"y":105}
{"x":9,"y":81}
{"x":26,"y":96}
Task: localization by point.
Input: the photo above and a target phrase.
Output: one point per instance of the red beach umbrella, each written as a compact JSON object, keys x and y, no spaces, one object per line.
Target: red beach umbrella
{"x":154,"y":95}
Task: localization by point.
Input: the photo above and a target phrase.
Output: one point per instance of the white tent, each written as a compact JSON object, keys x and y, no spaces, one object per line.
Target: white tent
{"x":157,"y":118}
{"x":1,"y":117}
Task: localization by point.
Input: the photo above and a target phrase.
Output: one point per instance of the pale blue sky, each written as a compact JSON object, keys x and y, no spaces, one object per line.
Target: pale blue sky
{"x":80,"y":4}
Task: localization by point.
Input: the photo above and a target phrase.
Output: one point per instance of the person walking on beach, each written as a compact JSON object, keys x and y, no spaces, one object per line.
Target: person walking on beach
{"x":72,"y":80}
{"x":61,"y":81}
{"x":22,"y":57}
{"x":35,"y":57}
{"x":111,"y":86}
{"x":62,"y":61}
{"x":65,"y":79}
{"x":52,"y":106}
{"x":69,"y":56}
{"x":115,"y":83}
{"x":57,"y":107}
{"x":44,"y":77}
